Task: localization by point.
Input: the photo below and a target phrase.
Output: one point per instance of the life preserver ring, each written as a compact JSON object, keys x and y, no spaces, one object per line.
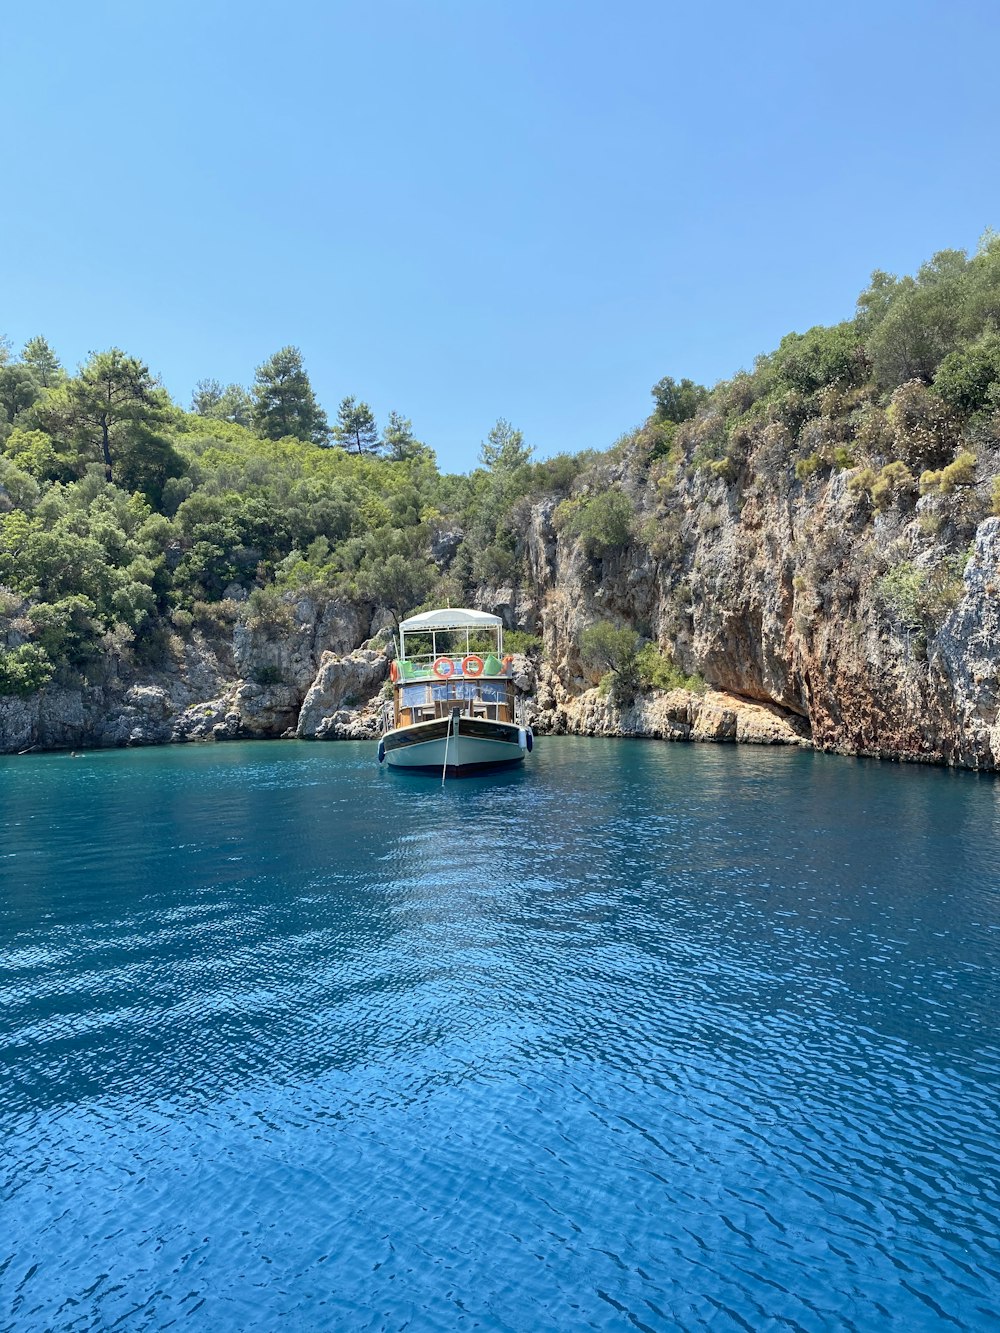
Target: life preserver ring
{"x":444,"y":667}
{"x":393,"y":672}
{"x":473,"y":665}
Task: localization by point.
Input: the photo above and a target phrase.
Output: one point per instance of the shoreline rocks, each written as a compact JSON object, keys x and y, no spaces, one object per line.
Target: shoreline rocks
{"x":794,"y":658}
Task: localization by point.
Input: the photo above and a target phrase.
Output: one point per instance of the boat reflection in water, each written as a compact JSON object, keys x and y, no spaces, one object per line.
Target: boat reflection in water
{"x":454,"y":709}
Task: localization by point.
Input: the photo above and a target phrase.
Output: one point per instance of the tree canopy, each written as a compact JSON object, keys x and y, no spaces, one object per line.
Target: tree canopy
{"x":356,"y":428}
{"x":677,"y":401}
{"x":284,"y":405}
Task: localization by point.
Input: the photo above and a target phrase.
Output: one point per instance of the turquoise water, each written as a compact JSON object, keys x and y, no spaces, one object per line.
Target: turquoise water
{"x":645,"y":1036}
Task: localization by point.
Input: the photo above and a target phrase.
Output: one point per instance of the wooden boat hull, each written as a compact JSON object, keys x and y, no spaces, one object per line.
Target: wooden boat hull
{"x":474,"y":744}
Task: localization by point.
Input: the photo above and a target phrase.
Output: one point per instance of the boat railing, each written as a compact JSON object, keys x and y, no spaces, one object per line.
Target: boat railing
{"x":386,"y":717}
{"x":421,"y":666}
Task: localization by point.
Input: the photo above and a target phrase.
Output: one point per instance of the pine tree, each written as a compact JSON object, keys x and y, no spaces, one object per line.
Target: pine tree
{"x":284,"y":403}
{"x":504,"y":449}
{"x":206,"y":398}
{"x":356,"y":428}
{"x":232,"y":403}
{"x":115,"y":405}
{"x":43,"y":363}
{"x":398,"y":441}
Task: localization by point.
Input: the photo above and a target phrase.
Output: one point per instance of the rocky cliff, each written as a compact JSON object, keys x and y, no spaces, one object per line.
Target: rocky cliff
{"x":811,"y":615}
{"x":861,"y":629}
{"x":304,"y":673}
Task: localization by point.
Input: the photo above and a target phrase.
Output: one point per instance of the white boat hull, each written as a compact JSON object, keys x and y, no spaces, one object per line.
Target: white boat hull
{"x":471,"y":745}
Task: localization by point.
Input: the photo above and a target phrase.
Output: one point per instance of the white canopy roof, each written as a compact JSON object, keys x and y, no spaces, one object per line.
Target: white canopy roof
{"x":458,"y":617}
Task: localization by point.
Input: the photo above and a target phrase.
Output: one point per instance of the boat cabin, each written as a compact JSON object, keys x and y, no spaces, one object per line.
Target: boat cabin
{"x":451,"y":662}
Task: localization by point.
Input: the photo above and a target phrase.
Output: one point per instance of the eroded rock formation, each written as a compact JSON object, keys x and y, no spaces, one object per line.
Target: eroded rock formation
{"x":776,"y":598}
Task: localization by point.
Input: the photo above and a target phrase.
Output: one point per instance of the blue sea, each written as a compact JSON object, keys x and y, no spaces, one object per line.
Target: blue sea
{"x":642,"y":1036}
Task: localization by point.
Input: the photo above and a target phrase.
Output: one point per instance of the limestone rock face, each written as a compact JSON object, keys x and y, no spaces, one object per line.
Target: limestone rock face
{"x":245,"y":684}
{"x":341,"y":681}
{"x":94,"y":716}
{"x":770,"y":589}
{"x":675,"y":715}
{"x":288,"y":652}
{"x":966,"y":662}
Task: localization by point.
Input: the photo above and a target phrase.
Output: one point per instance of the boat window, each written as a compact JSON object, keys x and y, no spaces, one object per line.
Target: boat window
{"x":455,"y":689}
{"x":439,"y":691}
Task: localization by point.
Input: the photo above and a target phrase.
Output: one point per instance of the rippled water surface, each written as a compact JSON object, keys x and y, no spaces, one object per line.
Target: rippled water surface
{"x":643,"y":1037}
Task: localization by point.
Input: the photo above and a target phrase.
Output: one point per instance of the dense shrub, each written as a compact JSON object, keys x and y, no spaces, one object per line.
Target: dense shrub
{"x":810,"y":361}
{"x":603,"y":522}
{"x":614,"y":649}
{"x":969,"y":378}
{"x":24,"y":670}
{"x":924,"y":430}
{"x":894,"y":481}
{"x":657,"y":670}
{"x":918,"y":597}
{"x":961,"y":472}
{"x":517,"y":641}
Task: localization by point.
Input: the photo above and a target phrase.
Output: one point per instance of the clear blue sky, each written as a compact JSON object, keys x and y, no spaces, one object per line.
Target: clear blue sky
{"x":463,"y":210}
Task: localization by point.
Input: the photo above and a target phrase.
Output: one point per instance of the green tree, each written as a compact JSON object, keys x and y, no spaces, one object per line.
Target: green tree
{"x":969,"y":378}
{"x":113,"y":403}
{"x":398,"y":440}
{"x":876,"y":300}
{"x":399,"y":583}
{"x":33,"y":451}
{"x":494,"y":527}
{"x":24,"y":670}
{"x":356,"y":428}
{"x":284,"y":403}
{"x":604,"y":522}
{"x":821,"y":356}
{"x":43,"y":363}
{"x":63,"y":628}
{"x":18,"y":390}
{"x":912,"y":325}
{"x":146,"y":462}
{"x":677,"y":401}
{"x":615,"y":649}
{"x":504,"y":449}
{"x":232,"y":403}
{"x":206,"y":398}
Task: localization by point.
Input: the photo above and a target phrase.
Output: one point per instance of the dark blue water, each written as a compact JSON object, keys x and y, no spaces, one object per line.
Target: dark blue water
{"x":642,"y":1037}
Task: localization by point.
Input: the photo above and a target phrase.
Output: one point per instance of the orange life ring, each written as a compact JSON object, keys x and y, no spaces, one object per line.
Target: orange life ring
{"x":473,"y":665}
{"x":393,"y":672}
{"x":444,"y":667}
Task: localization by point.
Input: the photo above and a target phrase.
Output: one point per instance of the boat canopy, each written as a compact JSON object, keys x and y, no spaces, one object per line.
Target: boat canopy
{"x":456,"y":618}
{"x":450,"y":621}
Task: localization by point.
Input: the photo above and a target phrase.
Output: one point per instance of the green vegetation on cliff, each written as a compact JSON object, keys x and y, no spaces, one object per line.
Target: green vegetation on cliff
{"x":124,"y":519}
{"x":127,"y":522}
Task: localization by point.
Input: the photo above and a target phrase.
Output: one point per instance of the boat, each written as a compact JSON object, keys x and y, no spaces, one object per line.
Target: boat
{"x":454,"y":709}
